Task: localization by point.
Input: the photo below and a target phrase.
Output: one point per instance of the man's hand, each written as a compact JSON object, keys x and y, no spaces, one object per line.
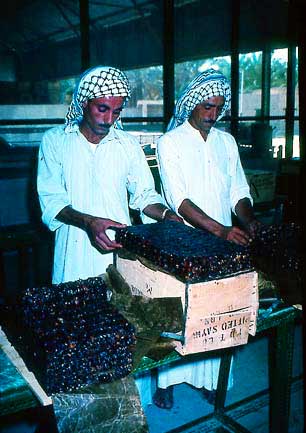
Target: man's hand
{"x":235,"y":234}
{"x":245,"y":214}
{"x":96,"y":230}
{"x":94,"y":226}
{"x":172,"y":216}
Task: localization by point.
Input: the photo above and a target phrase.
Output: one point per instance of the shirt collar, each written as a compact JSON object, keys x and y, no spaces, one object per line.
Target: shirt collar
{"x":195,"y":131}
{"x":109,"y":137}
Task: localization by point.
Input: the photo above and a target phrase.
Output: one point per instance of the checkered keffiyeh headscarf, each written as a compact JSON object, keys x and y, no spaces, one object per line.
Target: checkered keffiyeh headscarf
{"x":206,"y":85}
{"x":95,"y":83}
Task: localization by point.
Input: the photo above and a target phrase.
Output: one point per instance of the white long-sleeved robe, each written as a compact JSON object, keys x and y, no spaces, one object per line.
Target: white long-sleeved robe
{"x":94,"y":180}
{"x":209,"y":173}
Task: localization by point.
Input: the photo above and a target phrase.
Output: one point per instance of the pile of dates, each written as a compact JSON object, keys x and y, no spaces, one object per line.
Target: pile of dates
{"x":84,"y":339}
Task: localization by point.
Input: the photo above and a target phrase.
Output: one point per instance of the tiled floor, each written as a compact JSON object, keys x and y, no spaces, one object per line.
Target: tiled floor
{"x":250,"y":377}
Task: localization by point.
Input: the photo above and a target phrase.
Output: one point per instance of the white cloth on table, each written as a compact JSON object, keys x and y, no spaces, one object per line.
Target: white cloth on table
{"x":96,"y":181}
{"x":196,"y":373}
{"x":146,"y":387}
{"x":209,"y":173}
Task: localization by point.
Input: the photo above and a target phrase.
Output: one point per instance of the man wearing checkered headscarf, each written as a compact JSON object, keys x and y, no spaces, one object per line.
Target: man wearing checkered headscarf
{"x":203,"y":181}
{"x":90,"y":172}
{"x":94,"y":83}
{"x":206,"y":85}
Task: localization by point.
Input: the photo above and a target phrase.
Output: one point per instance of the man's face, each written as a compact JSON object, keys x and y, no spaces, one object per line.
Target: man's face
{"x":99,"y":114}
{"x":204,"y":115}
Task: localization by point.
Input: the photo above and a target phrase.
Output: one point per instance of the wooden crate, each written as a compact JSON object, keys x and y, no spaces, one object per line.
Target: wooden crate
{"x":217,"y":314}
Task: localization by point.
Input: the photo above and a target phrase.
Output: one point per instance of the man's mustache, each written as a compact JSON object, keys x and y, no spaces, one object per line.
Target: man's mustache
{"x":104,"y":125}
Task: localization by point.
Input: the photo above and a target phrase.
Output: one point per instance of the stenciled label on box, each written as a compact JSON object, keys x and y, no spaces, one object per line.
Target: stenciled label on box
{"x":215,"y":332}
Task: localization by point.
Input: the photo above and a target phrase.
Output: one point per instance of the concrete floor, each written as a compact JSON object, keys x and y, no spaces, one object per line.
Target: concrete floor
{"x":250,"y":377}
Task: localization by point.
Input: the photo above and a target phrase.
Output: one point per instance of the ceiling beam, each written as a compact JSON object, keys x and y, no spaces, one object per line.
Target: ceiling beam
{"x":65,"y":16}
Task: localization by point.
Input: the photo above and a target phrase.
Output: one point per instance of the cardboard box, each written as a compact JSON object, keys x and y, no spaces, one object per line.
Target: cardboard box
{"x":262,"y":185}
{"x":217,"y":314}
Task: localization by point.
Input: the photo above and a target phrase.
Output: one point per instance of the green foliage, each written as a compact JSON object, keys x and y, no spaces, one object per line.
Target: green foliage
{"x":278,"y":73}
{"x":250,"y":66}
{"x":146,"y":83}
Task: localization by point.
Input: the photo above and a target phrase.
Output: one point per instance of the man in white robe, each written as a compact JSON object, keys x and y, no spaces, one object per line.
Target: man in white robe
{"x":203,"y":181}
{"x":89,"y":173}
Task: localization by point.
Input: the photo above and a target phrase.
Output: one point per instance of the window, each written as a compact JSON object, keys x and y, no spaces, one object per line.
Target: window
{"x":184,"y":72}
{"x":296,"y":136}
{"x":279,"y":64}
{"x":250,"y":83}
{"x":296,"y":140}
{"x":38,"y":103}
{"x":42,"y":92}
{"x":44,"y":101}
{"x":147,"y":92}
{"x":296,"y":99}
{"x":146,"y":101}
{"x":278,"y":138}
{"x":278,"y":104}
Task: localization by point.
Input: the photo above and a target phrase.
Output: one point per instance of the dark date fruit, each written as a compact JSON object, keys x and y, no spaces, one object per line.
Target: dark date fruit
{"x":84,"y":339}
{"x":188,"y":253}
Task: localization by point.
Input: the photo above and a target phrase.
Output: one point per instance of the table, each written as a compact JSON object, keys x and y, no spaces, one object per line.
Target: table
{"x":281,"y":339}
{"x":20,"y":393}
{"x":280,"y":327}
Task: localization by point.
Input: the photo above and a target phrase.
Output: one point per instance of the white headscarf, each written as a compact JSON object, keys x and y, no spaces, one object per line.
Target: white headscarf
{"x":94,"y":83}
{"x":206,"y":85}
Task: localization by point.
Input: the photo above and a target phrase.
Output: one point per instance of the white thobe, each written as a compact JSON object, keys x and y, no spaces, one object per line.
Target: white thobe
{"x":102,"y":181}
{"x":209,"y":173}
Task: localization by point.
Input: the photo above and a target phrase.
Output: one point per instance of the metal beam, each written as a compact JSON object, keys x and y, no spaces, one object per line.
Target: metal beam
{"x":302,"y":80}
{"x":65,"y":16}
{"x":235,"y":67}
{"x":168,"y":60}
{"x":266,"y":83}
{"x":84,"y":29}
{"x":290,"y":101}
